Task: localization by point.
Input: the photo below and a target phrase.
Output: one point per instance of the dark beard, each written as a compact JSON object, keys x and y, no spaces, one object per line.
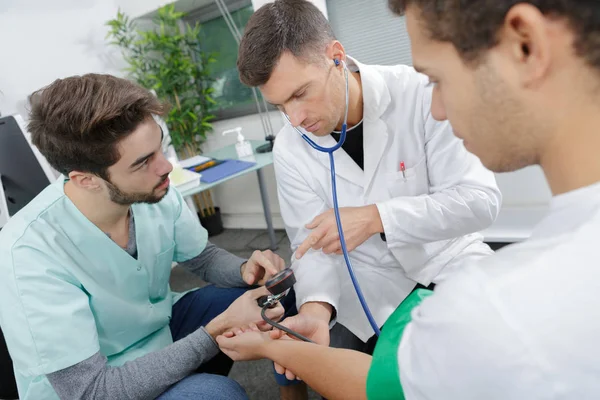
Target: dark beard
{"x":125,"y":199}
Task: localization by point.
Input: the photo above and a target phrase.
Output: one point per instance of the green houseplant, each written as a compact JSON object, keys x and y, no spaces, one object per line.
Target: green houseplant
{"x":169,"y":59}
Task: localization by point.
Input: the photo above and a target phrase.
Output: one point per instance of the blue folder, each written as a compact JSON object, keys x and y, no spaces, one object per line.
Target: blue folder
{"x":223,"y":170}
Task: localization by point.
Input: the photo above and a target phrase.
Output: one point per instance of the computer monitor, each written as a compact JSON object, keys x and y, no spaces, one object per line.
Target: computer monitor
{"x":24,"y":172}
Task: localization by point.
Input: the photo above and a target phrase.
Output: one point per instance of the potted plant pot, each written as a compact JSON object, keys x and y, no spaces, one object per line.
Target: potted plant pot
{"x":212,"y":222}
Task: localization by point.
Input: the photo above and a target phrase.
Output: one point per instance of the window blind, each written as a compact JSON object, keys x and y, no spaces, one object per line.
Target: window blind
{"x":370,"y":32}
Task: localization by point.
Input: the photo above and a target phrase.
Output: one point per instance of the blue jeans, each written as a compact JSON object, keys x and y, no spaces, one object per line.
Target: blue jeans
{"x":205,"y":387}
{"x":210,"y":381}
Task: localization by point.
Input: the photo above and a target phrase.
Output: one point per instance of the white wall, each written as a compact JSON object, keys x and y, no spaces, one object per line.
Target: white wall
{"x":526,"y":196}
{"x":42,"y":40}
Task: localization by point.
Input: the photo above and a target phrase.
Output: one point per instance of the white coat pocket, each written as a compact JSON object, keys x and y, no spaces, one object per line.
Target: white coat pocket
{"x":413,"y":182}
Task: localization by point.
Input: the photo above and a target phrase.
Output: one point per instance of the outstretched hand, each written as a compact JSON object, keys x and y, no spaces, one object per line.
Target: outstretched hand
{"x":315,"y":329}
{"x":243,"y":311}
{"x":358,"y":223}
{"x":245,"y":343}
{"x":261,"y":266}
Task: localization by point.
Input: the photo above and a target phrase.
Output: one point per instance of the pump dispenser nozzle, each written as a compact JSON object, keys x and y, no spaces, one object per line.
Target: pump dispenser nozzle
{"x":242,"y":147}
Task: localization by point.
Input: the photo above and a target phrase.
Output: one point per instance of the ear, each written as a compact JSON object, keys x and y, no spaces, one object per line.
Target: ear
{"x":85,"y":181}
{"x":336,"y":51}
{"x":525,"y":39}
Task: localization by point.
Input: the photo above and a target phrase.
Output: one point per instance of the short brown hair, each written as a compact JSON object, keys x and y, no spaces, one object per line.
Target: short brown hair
{"x":77,"y":122}
{"x":472,"y":25}
{"x":297,"y":26}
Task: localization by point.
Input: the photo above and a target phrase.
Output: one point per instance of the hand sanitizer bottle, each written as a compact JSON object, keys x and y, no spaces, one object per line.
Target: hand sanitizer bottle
{"x":243,"y":147}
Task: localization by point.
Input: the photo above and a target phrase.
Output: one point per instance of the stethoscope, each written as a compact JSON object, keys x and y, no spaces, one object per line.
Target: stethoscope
{"x":330,"y":150}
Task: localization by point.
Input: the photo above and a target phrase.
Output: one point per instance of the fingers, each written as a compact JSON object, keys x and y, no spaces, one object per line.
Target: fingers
{"x":224,"y":342}
{"x":331,"y":243}
{"x":264,"y":327}
{"x":250,"y":272}
{"x":280,"y":263}
{"x":295,"y":325}
{"x":258,"y":292}
{"x":254,"y":327}
{"x":237,"y":331}
{"x":227,"y":346}
{"x":316,"y":221}
{"x":261,"y":267}
{"x":312,"y":241}
{"x":240,"y":330}
{"x":289,"y":375}
{"x":335,"y":248}
{"x":291,"y":323}
{"x":279,"y":369}
{"x":286,"y":337}
{"x":275,"y":259}
{"x":282,"y":371}
{"x":278,"y":333}
{"x":319,"y":218}
{"x":276,"y":312}
{"x":275,"y":334}
{"x":261,"y":259}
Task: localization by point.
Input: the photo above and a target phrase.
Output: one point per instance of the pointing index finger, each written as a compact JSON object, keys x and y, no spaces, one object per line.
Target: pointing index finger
{"x":309,"y":242}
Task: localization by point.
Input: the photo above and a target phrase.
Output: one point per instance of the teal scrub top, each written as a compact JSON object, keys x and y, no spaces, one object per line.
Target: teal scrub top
{"x":68,"y":291}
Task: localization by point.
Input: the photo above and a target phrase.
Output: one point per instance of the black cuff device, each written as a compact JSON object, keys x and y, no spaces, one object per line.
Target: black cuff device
{"x":278,"y":286}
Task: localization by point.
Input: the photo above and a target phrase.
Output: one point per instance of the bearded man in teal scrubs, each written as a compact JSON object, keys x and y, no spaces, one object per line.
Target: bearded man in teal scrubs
{"x":85,"y":303}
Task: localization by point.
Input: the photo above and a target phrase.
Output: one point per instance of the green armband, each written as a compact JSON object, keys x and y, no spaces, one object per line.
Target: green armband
{"x":383,"y":381}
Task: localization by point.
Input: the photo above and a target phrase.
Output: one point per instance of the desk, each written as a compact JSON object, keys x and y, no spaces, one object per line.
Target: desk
{"x":262,"y":160}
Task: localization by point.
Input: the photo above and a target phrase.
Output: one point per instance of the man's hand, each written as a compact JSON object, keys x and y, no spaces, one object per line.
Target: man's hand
{"x":243,"y":312}
{"x":261,"y":267}
{"x":244,"y":344}
{"x":358,"y":223}
{"x":312,"y":322}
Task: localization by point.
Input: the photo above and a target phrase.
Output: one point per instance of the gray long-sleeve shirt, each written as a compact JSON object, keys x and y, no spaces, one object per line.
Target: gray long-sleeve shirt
{"x":148,"y":376}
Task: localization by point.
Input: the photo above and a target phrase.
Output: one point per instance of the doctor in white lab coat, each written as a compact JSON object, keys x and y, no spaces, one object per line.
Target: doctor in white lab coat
{"x":412,"y":199}
{"x":430,"y":212}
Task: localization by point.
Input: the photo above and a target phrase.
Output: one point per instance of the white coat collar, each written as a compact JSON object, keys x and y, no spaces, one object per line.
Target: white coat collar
{"x":376,"y":99}
{"x":376,"y":95}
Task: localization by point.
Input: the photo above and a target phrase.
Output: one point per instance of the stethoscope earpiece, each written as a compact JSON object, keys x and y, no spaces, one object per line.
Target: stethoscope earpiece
{"x":342,"y":139}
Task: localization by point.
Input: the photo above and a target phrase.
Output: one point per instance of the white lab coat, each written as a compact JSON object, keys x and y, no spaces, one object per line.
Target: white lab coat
{"x":429,"y":217}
